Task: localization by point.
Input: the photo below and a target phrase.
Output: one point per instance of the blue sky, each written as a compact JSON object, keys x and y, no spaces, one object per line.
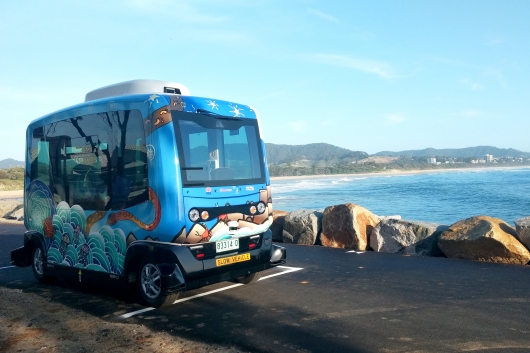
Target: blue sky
{"x":363,"y":75}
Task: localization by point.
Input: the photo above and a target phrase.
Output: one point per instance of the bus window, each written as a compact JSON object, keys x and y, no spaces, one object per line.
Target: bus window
{"x":40,"y":161}
{"x":217,"y":150}
{"x":96,"y":161}
{"x":129,"y":163}
{"x":243,"y":161}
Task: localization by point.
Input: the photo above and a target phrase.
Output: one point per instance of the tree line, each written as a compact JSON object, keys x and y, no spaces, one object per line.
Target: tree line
{"x":15,"y":173}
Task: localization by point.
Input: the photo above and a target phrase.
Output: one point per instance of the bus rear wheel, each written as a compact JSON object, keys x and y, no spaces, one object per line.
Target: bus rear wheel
{"x":149,"y":279}
{"x":253,"y":277}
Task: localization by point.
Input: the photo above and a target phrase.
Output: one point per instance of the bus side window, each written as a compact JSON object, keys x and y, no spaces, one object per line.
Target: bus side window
{"x":40,"y":161}
{"x":73,"y":157}
{"x":129,"y":177}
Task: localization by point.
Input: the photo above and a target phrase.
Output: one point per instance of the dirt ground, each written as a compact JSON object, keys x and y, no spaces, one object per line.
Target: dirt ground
{"x":8,"y":201}
{"x":32,"y":323}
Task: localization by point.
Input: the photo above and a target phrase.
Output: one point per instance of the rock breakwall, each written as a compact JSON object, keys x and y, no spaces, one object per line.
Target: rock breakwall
{"x":351,"y":226}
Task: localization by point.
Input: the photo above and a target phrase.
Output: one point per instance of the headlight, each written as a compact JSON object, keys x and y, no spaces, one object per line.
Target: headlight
{"x":194,"y":215}
{"x":261,"y":207}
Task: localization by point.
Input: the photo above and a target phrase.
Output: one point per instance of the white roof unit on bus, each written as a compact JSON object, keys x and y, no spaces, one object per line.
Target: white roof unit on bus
{"x":137,"y":87}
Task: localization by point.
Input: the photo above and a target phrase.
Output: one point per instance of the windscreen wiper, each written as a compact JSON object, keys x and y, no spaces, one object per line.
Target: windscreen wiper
{"x":218,"y":116}
{"x":206,"y":112}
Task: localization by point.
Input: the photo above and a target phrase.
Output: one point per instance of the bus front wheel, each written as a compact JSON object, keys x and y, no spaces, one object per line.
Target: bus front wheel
{"x":149,"y":280}
{"x":37,"y":264}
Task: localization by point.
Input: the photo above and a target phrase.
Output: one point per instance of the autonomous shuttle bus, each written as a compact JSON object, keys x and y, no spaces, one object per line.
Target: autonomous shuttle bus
{"x":143,"y":183}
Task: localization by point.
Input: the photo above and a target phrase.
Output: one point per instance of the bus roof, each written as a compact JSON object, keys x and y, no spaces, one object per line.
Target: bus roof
{"x":138,"y":87}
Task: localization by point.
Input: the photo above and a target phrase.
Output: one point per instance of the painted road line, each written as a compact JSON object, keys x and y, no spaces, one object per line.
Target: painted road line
{"x":288,"y":270}
{"x":3,"y":268}
{"x":357,"y":252}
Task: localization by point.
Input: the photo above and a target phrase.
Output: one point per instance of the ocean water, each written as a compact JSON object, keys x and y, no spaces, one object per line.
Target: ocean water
{"x":443,"y":198}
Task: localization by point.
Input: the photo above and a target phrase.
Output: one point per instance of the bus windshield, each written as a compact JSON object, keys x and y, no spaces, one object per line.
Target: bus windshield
{"x":217,"y":150}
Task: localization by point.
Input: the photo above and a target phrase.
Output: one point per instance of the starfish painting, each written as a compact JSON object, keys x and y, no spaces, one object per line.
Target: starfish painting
{"x":237,"y":111}
{"x":152,"y":98}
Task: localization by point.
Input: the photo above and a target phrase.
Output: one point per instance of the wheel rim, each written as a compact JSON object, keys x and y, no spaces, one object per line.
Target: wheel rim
{"x":150,"y":281}
{"x":37,"y":261}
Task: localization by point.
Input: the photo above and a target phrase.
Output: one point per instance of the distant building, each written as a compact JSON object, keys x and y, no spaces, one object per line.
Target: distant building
{"x":431,"y":160}
{"x":488,"y":158}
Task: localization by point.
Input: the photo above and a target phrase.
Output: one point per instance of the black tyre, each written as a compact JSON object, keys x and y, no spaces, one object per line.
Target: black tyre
{"x":37,"y":264}
{"x":149,"y":281}
{"x":254,"y":277}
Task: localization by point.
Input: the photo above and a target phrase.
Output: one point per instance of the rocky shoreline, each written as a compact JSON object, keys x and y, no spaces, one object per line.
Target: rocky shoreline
{"x":351,"y":226}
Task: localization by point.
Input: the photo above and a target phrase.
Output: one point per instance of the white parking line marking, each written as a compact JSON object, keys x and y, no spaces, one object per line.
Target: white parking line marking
{"x":287,"y":270}
{"x":128,"y":315}
{"x":3,"y":268}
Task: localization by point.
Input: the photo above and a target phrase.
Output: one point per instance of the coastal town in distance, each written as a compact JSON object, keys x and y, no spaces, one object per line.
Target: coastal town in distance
{"x":327,"y":159}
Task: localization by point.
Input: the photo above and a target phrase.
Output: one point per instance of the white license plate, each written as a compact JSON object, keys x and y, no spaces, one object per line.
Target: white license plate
{"x":225,"y":245}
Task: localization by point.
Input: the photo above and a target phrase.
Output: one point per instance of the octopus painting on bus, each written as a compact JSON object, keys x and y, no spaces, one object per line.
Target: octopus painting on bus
{"x":97,"y":240}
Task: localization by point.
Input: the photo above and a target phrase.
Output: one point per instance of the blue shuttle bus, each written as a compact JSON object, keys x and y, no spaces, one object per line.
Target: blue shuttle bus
{"x":143,"y":183}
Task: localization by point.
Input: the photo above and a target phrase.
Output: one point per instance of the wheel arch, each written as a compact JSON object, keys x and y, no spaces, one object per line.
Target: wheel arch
{"x":158,"y":253}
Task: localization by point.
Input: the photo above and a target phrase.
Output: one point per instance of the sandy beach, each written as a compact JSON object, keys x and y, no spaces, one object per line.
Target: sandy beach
{"x":8,"y":201}
{"x":16,"y":194}
{"x":391,"y":172}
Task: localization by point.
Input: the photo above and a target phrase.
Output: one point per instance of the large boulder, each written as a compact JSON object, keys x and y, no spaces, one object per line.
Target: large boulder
{"x":483,"y":238}
{"x":278,"y":219}
{"x":522,"y":228}
{"x":17,"y":213}
{"x":302,"y":227}
{"x":347,"y":226}
{"x":406,"y":237}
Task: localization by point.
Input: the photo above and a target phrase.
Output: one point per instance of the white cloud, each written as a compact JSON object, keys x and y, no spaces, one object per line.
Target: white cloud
{"x":474,"y":86}
{"x":273,"y":95}
{"x":229,"y":38}
{"x":496,"y":40}
{"x":328,"y":123}
{"x":323,"y":15}
{"x":394,"y":119}
{"x":378,"y":68}
{"x":297,"y":126}
{"x":497,"y":74}
{"x":471,"y":113}
{"x":37,"y":94}
{"x":173,"y":8}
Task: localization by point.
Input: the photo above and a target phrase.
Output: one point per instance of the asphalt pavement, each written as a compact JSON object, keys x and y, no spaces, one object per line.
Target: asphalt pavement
{"x":326,"y":300}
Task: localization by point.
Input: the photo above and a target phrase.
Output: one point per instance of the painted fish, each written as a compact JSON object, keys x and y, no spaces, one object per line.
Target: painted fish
{"x":48,"y":227}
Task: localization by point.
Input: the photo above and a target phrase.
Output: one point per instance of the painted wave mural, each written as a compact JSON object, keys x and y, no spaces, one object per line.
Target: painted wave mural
{"x":64,"y":230}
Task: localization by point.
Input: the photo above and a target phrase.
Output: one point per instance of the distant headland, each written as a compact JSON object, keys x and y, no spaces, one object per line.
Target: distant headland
{"x":320,"y":159}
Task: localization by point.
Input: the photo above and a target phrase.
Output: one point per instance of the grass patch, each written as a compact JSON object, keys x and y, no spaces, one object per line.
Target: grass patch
{"x":11,"y":185}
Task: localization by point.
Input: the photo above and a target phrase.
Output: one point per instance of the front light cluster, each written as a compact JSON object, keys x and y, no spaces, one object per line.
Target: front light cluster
{"x":259,"y":208}
{"x":195,"y":215}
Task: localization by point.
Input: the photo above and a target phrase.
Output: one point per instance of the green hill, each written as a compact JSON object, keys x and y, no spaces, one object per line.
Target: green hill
{"x":10,"y":163}
{"x":314,"y":152}
{"x":469,"y":152}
